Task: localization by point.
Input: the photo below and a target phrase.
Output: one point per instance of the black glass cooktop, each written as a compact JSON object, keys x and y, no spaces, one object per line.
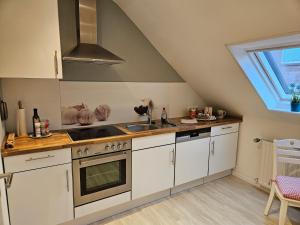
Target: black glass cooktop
{"x":94,"y":132}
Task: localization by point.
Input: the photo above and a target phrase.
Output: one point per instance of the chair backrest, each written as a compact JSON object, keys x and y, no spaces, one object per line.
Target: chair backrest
{"x":286,"y":151}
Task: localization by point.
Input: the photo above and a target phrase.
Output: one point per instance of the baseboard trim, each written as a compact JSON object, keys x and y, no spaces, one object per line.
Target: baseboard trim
{"x":245,"y":178}
{"x":217,"y":176}
{"x":107,"y":213}
{"x":251,"y":181}
{"x":187,"y":186}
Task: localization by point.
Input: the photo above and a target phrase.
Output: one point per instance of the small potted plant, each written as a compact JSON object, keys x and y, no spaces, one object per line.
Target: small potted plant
{"x":295,"y":101}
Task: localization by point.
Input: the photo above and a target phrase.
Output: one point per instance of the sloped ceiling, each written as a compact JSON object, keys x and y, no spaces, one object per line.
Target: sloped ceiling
{"x":192,"y":36}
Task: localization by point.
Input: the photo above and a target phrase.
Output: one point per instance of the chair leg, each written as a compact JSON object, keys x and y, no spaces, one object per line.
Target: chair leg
{"x":270,"y":200}
{"x":283,"y":212}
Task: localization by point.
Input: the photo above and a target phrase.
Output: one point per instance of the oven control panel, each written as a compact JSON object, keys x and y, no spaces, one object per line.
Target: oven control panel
{"x":101,"y":148}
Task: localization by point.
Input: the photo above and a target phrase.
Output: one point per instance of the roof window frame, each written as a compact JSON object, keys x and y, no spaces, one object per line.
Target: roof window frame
{"x":265,"y":81}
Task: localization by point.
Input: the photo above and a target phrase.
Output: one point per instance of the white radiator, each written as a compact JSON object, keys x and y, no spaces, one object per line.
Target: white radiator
{"x":266,"y":164}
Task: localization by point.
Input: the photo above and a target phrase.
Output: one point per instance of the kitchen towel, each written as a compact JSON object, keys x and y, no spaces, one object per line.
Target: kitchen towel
{"x":21,"y":123}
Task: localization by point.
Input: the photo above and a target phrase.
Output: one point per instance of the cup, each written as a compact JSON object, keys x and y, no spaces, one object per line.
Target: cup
{"x":208,"y":110}
{"x":221,"y":113}
{"x":192,"y":113}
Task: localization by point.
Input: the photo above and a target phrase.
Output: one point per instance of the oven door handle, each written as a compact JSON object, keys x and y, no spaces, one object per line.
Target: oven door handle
{"x":103,"y":159}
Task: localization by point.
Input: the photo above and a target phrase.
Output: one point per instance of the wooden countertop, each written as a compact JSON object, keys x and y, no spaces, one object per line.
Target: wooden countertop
{"x":61,"y":139}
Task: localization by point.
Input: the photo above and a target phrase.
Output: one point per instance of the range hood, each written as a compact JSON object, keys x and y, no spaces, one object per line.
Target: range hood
{"x":87,"y":49}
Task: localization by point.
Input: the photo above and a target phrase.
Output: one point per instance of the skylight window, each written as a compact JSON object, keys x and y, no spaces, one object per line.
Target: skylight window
{"x":282,"y":66}
{"x":291,"y":56}
{"x":273,"y":68}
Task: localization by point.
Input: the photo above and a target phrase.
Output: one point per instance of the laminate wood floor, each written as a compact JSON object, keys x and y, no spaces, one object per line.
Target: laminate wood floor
{"x":227,"y":201}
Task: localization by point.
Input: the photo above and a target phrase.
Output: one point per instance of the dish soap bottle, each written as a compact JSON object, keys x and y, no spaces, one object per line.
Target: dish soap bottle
{"x":35,"y":119}
{"x":164,"y":116}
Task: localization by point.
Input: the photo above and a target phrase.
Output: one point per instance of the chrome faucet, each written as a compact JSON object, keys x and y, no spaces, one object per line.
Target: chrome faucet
{"x":149,"y":115}
{"x":149,"y":104}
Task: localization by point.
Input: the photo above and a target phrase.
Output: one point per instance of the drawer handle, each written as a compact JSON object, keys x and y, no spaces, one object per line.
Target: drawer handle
{"x":224,"y":128}
{"x":38,"y":158}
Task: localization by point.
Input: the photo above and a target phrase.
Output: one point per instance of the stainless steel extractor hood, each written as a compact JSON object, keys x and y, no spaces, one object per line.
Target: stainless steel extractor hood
{"x":87,"y":49}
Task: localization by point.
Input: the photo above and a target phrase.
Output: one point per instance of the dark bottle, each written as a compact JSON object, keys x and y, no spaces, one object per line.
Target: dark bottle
{"x":35,"y":119}
{"x":164,"y":116}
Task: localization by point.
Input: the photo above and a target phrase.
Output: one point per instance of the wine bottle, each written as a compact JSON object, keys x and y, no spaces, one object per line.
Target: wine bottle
{"x":35,"y":119}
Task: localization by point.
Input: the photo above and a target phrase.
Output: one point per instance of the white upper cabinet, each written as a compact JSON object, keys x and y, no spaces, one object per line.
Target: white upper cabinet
{"x":30,"y":41}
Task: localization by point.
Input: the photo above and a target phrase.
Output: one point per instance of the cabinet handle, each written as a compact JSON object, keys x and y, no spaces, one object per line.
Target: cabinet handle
{"x":212,"y":147}
{"x":67,"y":178}
{"x":55,"y":64}
{"x":8,"y":178}
{"x":224,"y":128}
{"x":38,"y":158}
{"x":173,"y":157}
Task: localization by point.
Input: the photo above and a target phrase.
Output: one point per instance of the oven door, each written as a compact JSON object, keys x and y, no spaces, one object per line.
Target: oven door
{"x":99,"y":177}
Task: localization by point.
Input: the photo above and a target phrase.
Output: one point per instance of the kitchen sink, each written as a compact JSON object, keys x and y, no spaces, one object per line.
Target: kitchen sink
{"x":167,"y":125}
{"x":140,"y":127}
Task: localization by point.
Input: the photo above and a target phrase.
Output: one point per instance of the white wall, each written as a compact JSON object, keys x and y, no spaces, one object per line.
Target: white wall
{"x":253,"y":126}
{"x":49,"y":95}
{"x":192,"y":36}
{"x":43,"y":94}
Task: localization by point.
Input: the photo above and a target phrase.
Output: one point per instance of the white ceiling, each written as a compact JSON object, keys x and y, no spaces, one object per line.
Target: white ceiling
{"x":192,"y":36}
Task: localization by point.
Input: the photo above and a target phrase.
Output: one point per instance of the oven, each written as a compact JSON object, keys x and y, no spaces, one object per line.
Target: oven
{"x":101,"y":171}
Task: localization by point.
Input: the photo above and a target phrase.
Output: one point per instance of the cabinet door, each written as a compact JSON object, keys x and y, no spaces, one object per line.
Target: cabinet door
{"x":29,"y":40}
{"x":223,"y":150}
{"x":191,"y":160}
{"x":4,"y":217}
{"x":41,"y":196}
{"x":152,"y":170}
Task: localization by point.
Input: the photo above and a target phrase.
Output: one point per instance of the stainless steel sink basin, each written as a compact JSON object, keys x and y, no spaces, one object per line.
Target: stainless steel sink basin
{"x":140,"y":127}
{"x":167,"y":125}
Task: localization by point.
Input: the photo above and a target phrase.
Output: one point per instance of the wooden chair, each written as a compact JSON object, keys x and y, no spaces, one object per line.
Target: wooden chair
{"x":286,"y":188}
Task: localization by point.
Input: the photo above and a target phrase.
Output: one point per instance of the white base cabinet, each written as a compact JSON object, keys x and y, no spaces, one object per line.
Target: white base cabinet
{"x":41,"y":192}
{"x":41,"y":196}
{"x":223,"y":150}
{"x":191,"y":160}
{"x":152,"y":170}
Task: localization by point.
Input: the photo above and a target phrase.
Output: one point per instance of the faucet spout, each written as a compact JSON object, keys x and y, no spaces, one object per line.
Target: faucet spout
{"x":149,"y":115}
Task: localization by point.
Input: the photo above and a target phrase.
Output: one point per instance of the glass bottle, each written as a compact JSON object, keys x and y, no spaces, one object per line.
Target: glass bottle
{"x":164,"y":116}
{"x":35,"y":119}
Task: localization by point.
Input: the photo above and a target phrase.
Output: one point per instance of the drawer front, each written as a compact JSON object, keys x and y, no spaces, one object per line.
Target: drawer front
{"x":153,"y":141}
{"x":225,"y":129}
{"x":102,"y":204}
{"x":37,"y":160}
